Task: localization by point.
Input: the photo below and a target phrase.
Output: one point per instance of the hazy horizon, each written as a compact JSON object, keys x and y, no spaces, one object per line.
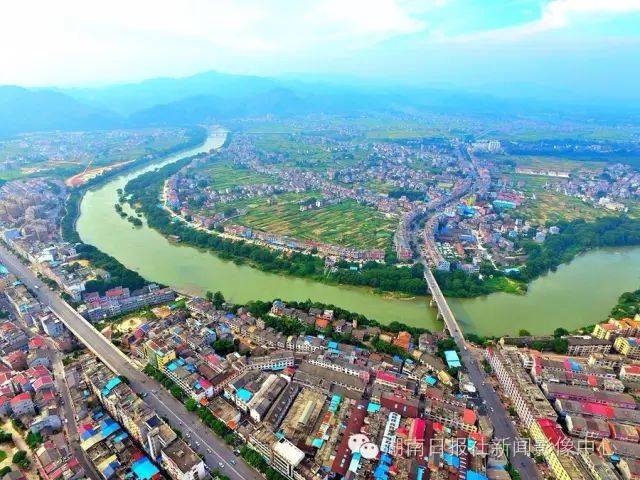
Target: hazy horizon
{"x":583,"y":49}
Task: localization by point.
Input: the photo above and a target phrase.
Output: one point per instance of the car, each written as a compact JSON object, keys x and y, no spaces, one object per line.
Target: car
{"x":236,"y":453}
{"x":209,"y":450}
{"x":221,"y":465}
{"x":232,"y":462}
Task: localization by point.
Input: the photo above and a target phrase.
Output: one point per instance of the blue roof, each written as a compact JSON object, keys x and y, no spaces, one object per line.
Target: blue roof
{"x":110,"y":469}
{"x":430,"y":380}
{"x":109,"y":427}
{"x":144,"y":469}
{"x":471,"y":475}
{"x":373,"y":407}
{"x":111,"y":384}
{"x":244,"y":394}
{"x":355,"y":462}
{"x":452,"y":359}
{"x":451,"y":460}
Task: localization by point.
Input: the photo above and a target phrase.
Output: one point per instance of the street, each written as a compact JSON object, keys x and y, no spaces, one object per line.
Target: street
{"x":503,"y":427}
{"x":161,"y":401}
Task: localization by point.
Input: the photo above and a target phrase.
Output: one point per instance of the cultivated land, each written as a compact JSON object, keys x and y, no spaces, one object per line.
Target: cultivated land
{"x":228,"y":176}
{"x":550,"y":206}
{"x":555,"y":163}
{"x":302,"y":151}
{"x":347,"y":223}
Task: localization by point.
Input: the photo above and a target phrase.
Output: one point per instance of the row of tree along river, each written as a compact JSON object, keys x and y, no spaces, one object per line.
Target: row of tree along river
{"x":577,"y":294}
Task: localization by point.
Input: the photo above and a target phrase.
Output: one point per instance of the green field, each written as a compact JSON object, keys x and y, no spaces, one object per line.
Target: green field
{"x":224,"y":175}
{"x":556,"y":163}
{"x":348,"y":223}
{"x":308,"y":151}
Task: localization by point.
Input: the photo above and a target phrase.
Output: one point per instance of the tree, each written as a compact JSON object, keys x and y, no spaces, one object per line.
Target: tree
{"x":34,"y":439}
{"x":560,"y":332}
{"x":218,"y":299}
{"x":223,"y":347}
{"x":524,"y":333}
{"x":191,"y":405}
{"x":20,"y":458}
{"x":177,"y":392}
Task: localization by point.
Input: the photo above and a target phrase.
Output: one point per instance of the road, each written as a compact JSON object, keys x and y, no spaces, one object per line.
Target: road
{"x":201,"y":439}
{"x":55,"y":358}
{"x":69,"y":413}
{"x":504,"y":429}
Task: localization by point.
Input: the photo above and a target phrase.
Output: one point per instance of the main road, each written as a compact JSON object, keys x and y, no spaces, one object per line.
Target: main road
{"x":214,"y":451}
{"x":504,"y":428}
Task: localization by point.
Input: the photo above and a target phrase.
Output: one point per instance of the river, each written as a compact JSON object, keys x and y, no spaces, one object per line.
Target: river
{"x":577,"y":294}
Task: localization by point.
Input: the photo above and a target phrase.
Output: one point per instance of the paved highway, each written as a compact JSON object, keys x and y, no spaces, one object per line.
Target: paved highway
{"x":503,"y":427}
{"x":214,"y":450}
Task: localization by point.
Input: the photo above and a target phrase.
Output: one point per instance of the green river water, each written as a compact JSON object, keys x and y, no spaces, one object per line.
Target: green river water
{"x":578,"y":294}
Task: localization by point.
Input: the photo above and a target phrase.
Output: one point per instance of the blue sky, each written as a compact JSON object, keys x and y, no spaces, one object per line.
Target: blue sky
{"x":577,"y":47}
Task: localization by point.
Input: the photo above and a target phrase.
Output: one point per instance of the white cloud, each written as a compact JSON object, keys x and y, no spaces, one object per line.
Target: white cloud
{"x":556,"y":14}
{"x":43,"y":41}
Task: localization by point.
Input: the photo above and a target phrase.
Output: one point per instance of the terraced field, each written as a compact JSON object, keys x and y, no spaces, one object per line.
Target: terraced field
{"x":348,"y":223}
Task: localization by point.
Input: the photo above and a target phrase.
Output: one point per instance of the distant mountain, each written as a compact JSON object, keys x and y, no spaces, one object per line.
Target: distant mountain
{"x":213,"y":96}
{"x":25,"y":110}
{"x":129,"y":98}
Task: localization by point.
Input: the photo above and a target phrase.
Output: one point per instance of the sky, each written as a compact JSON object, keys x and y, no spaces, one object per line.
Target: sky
{"x":577,"y":47}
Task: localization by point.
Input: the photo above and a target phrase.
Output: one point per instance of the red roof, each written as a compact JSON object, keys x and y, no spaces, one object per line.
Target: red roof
{"x":632,"y":369}
{"x":37,"y":342}
{"x":554,"y":433}
{"x":43,"y":381}
{"x":340,"y":463}
{"x":23,"y":397}
{"x":114,"y":292}
{"x":14,"y":355}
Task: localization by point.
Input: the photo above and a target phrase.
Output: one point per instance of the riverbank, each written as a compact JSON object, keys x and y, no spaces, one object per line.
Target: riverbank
{"x":575,"y":295}
{"x":119,"y":274}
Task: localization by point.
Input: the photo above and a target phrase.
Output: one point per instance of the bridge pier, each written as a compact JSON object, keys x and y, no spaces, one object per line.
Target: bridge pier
{"x":432,"y":303}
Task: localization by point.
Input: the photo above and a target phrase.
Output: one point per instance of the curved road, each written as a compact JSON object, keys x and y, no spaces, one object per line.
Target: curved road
{"x":201,"y":439}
